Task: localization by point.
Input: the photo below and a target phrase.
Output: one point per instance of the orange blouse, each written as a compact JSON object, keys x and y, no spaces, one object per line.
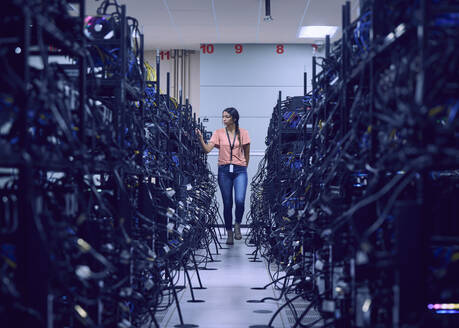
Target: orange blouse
{"x":220,"y":140}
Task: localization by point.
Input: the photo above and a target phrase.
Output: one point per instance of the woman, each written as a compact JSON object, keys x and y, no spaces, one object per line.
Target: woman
{"x":233,"y":157}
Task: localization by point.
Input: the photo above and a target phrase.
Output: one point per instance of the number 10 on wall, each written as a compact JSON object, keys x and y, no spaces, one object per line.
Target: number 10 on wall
{"x":207,"y":48}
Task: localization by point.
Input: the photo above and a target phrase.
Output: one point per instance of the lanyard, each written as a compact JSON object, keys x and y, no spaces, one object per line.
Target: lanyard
{"x":231,"y":145}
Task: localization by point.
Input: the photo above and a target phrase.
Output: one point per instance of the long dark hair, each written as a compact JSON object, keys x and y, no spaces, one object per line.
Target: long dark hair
{"x":235,"y":116}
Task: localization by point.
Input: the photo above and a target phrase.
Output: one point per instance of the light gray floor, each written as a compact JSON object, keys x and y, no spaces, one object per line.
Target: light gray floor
{"x":228,"y":290}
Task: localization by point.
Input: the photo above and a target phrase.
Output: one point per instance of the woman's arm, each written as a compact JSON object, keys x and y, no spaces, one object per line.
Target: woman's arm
{"x":247,"y":153}
{"x":207,"y":147}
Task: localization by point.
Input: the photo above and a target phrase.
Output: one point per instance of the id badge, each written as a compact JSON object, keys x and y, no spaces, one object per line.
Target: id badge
{"x":231,"y":168}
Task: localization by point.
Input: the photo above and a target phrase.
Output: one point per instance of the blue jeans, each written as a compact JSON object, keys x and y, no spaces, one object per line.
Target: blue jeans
{"x":226,"y":181}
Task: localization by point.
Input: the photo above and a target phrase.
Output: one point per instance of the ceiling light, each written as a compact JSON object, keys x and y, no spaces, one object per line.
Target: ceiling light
{"x":317,"y":31}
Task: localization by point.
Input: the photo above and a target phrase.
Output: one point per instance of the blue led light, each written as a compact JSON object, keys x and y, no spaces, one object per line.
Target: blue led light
{"x":447,"y":311}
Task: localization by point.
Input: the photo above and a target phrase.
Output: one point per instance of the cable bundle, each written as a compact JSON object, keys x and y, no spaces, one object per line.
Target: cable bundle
{"x":106,"y":202}
{"x":349,"y":214}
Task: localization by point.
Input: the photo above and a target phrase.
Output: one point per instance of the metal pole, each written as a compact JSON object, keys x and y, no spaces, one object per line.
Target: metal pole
{"x":82,"y":77}
{"x":422,"y":46}
{"x":182,"y":70}
{"x":25,"y":69}
{"x":175,"y":73}
{"x":188,"y":89}
{"x":142,"y":83}
{"x":305,"y":83}
{"x":314,"y":87}
{"x":343,"y":68}
{"x":168,"y":88}
{"x":157,"y":77}
{"x":122,"y":99}
{"x":327,"y":56}
{"x":279,"y":126}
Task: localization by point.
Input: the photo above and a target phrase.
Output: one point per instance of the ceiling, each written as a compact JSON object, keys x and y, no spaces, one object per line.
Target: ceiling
{"x":185,"y":24}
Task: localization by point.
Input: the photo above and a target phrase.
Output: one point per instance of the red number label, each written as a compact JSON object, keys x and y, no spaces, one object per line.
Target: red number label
{"x":166,"y":54}
{"x":238,"y":48}
{"x":210,"y":48}
{"x":280,"y":49}
{"x":207,"y":48}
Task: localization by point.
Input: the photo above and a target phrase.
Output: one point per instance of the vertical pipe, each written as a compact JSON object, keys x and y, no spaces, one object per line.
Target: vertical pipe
{"x":314,"y":87}
{"x":168,"y":102}
{"x":180,"y":148}
{"x":348,"y":12}
{"x":25,"y":70}
{"x":348,"y":63}
{"x":327,"y":56}
{"x":172,"y":65}
{"x":189,"y":76}
{"x":179,"y":72}
{"x":175,"y":81}
{"x":375,"y":12}
{"x":26,"y":245}
{"x":158,"y":67}
{"x":187,"y":106}
{"x":268,"y":8}
{"x":180,"y":103}
{"x":378,"y":17}
{"x":179,"y":61}
{"x":305,"y":83}
{"x":279,"y":103}
{"x":182,"y":70}
{"x":123,"y":41}
{"x":344,"y":38}
{"x":122,"y":92}
{"x":82,"y":78}
{"x":352,"y":304}
{"x":142,"y":82}
{"x":176,"y":68}
{"x":343,"y":69}
{"x":279,"y":126}
{"x":331,"y":269}
{"x":184,"y":74}
{"x":422,"y":47}
{"x":168,"y":88}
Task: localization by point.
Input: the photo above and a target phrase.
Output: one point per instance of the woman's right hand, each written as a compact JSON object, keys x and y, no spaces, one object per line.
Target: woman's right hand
{"x":198,"y":132}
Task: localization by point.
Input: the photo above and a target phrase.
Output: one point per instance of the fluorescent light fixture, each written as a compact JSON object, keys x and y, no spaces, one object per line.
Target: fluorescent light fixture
{"x":317,"y":31}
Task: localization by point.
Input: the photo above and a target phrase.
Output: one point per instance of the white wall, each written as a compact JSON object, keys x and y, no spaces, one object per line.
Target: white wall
{"x":250,"y":82}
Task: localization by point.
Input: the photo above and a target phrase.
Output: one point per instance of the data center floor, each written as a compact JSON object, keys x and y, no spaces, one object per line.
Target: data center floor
{"x":227,"y":293}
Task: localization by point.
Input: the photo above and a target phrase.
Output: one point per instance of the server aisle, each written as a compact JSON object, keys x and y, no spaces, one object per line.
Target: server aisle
{"x":109,"y":216}
{"x":233,"y":295}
